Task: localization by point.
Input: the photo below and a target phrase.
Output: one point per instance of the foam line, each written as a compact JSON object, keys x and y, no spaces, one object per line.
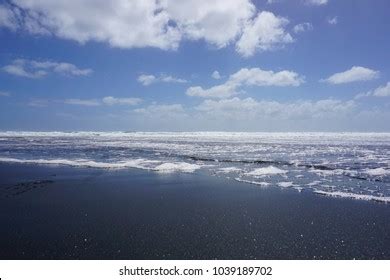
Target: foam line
{"x":367,"y":197}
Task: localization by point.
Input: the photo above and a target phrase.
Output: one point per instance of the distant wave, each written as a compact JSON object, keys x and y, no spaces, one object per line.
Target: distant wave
{"x":259,"y":161}
{"x":314,"y":167}
{"x":137,"y":163}
{"x":153,"y":165}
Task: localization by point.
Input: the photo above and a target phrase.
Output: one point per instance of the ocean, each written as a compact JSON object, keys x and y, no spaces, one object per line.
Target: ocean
{"x":339,"y":165}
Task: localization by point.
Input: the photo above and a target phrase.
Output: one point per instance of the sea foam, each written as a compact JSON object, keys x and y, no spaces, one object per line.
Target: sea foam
{"x":354,"y":196}
{"x":377,"y":171}
{"x":264,"y":171}
{"x":170,"y":167}
{"x":348,"y":163}
{"x":136,"y":163}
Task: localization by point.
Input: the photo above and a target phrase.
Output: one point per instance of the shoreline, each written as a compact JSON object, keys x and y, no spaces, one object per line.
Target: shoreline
{"x":87,"y":213}
{"x":183,"y":167}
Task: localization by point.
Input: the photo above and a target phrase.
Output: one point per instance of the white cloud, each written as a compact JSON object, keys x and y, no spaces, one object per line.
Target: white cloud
{"x":172,"y":111}
{"x":215,"y":75}
{"x":7,"y":18}
{"x":333,"y":20}
{"x":243,"y":114}
{"x":316,"y":2}
{"x":362,"y":95}
{"x":161,"y":117}
{"x":109,"y":100}
{"x":259,"y":77}
{"x":131,"y":24}
{"x":303,"y":27}
{"x":249,"y":108}
{"x":162,"y":24}
{"x":221,"y":91}
{"x":263,"y":33}
{"x":355,"y":74}
{"x":18,"y":66}
{"x":170,"y":79}
{"x":38,"y":69}
{"x":234,"y":108}
{"x":82,"y":102}
{"x":273,"y":1}
{"x":382,"y":91}
{"x":247,"y":77}
{"x":147,"y":80}
{"x":123,"y":24}
{"x":16,"y":19}
{"x":217,"y":22}
{"x":4,"y":94}
{"x":70,"y":69}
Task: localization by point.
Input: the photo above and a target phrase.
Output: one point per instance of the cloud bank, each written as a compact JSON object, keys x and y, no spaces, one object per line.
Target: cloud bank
{"x":248,"y":77}
{"x":162,"y":24}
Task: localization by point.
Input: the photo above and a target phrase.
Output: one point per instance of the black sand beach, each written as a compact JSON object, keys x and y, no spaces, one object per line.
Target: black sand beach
{"x":61,"y":212}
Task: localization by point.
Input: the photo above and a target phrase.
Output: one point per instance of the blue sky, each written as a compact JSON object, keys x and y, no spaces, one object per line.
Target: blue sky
{"x":170,"y":65}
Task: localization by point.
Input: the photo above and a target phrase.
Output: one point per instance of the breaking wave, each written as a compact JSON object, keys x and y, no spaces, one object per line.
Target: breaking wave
{"x":137,"y":163}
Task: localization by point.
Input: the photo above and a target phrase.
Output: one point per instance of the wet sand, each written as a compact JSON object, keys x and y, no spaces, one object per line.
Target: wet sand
{"x":57,"y":212}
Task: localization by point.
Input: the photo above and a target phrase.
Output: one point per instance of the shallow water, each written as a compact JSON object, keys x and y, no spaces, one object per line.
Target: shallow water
{"x":353,"y":165}
{"x":62,"y":212}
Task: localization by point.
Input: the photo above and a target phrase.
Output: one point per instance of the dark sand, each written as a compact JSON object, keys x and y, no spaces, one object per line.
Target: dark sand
{"x":76,"y":213}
